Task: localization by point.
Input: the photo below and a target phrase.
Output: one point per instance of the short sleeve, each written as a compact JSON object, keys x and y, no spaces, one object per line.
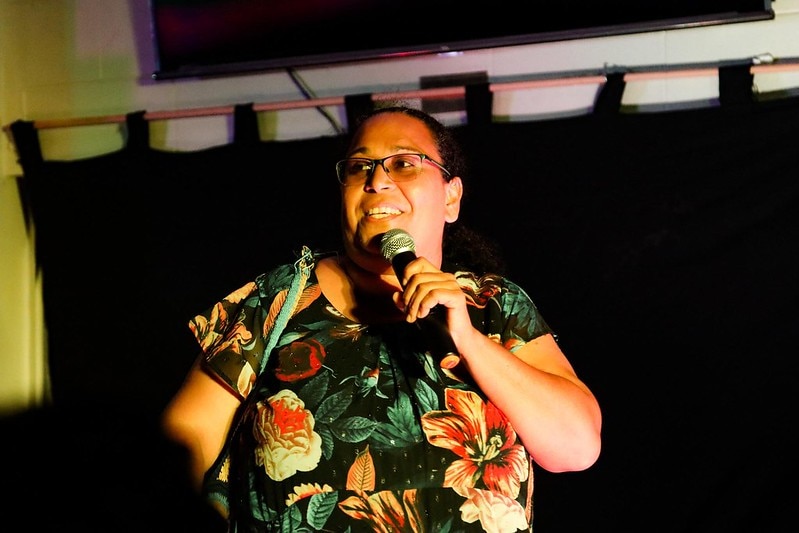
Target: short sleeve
{"x":232,"y":332}
{"x":521,"y":318}
{"x":501,"y":309}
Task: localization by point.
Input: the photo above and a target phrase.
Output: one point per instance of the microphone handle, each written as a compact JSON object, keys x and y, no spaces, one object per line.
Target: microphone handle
{"x":399,"y":261}
{"x":442,"y":347}
{"x":433,"y":326}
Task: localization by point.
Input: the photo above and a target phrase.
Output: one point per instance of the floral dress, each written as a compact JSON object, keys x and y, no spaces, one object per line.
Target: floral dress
{"x":354,"y":427}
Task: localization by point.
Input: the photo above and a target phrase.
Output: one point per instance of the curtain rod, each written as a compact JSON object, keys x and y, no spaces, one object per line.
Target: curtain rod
{"x":597,"y":77}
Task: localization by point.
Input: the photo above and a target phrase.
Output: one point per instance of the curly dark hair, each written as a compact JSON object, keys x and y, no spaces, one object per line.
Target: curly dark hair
{"x":464,"y":248}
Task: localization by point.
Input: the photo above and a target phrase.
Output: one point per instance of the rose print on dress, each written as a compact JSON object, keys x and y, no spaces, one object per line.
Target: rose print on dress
{"x":497,"y":513}
{"x":287,"y":442}
{"x":300,"y":360}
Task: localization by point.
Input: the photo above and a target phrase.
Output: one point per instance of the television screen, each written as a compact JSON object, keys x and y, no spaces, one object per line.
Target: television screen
{"x":199,"y":38}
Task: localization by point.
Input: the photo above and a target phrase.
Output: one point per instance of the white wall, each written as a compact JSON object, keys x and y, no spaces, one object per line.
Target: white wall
{"x":77,"y":58}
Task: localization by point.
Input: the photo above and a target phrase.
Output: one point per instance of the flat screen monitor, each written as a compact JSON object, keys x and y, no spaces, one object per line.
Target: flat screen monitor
{"x":202,"y":38}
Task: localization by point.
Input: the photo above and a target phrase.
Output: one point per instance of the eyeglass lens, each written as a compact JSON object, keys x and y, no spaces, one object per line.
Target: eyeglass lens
{"x":399,"y":167}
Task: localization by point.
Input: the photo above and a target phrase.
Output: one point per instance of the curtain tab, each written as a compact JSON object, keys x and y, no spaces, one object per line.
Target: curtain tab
{"x":245,"y":125}
{"x":138,"y":132}
{"x":479,"y":104}
{"x":608,"y":100}
{"x":26,"y":141}
{"x":736,"y":83}
{"x":356,"y":106}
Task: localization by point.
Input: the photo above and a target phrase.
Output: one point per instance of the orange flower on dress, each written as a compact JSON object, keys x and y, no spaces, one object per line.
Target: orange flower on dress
{"x":384,"y":512}
{"x":237,"y":336}
{"x":306,"y":490}
{"x":210,"y":331}
{"x":240,"y":293}
{"x":481,"y":436}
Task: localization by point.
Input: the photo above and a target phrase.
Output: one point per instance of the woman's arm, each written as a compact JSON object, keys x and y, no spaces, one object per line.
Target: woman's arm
{"x":554,"y":412}
{"x":199,"y":417}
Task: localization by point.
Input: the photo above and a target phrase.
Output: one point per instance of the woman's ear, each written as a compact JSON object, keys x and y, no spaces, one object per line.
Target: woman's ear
{"x":453,"y":199}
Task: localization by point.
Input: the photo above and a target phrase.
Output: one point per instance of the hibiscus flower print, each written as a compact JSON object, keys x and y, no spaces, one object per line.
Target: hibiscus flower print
{"x":477,"y":432}
{"x":284,"y":431}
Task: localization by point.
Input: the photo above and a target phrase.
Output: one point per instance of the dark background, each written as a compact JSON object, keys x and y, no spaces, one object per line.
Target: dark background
{"x":661,"y":247}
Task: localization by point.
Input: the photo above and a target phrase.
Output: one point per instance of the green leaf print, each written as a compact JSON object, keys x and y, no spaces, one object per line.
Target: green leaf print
{"x":291,"y":336}
{"x":333,"y":407}
{"x":354,"y":429}
{"x":320,"y":508}
{"x":403,"y":430}
{"x":265,"y":514}
{"x":313,"y":391}
{"x":401,"y":413}
{"x":327,"y":439}
{"x":426,"y":397}
{"x":387,"y":436}
{"x":291,"y":519}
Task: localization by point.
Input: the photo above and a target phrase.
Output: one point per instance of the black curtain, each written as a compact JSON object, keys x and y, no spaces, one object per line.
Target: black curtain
{"x":660,"y":246}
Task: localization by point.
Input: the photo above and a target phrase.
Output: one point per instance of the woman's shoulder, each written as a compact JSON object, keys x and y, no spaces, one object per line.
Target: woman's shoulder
{"x":280,"y":277}
{"x":468,"y":278}
{"x":482,"y":287}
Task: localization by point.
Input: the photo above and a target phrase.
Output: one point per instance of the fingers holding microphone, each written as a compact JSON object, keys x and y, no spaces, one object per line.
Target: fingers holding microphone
{"x":423,"y":285}
{"x":427,"y":294}
{"x":427,"y":289}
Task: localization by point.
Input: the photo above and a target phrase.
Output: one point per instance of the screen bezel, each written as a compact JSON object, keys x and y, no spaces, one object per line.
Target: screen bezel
{"x":383,"y":36}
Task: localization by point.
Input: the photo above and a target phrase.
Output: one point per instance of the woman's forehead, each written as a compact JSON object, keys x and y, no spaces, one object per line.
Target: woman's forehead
{"x":395,"y":131}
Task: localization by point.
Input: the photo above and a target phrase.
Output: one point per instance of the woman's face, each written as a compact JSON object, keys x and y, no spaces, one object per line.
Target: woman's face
{"x":421,"y":206}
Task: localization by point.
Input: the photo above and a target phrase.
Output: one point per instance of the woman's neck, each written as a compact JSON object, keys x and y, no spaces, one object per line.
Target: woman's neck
{"x":357,"y":293}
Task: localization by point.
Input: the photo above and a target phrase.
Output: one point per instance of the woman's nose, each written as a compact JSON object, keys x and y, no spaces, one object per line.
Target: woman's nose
{"x":379,"y":179}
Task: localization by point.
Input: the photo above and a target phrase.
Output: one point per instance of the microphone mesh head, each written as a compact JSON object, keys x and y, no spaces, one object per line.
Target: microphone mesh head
{"x":395,"y":241}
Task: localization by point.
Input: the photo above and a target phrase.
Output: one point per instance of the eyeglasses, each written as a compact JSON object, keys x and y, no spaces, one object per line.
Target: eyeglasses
{"x":398,"y":167}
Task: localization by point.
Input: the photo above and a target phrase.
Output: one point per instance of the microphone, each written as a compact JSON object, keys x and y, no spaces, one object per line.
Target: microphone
{"x":397,"y":246}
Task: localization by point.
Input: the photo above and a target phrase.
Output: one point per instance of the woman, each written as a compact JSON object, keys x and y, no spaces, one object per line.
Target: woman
{"x":342,"y":419}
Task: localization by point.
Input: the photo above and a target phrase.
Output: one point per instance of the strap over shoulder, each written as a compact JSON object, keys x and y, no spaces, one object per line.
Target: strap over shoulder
{"x":302,"y":270}
{"x":238,"y":333}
